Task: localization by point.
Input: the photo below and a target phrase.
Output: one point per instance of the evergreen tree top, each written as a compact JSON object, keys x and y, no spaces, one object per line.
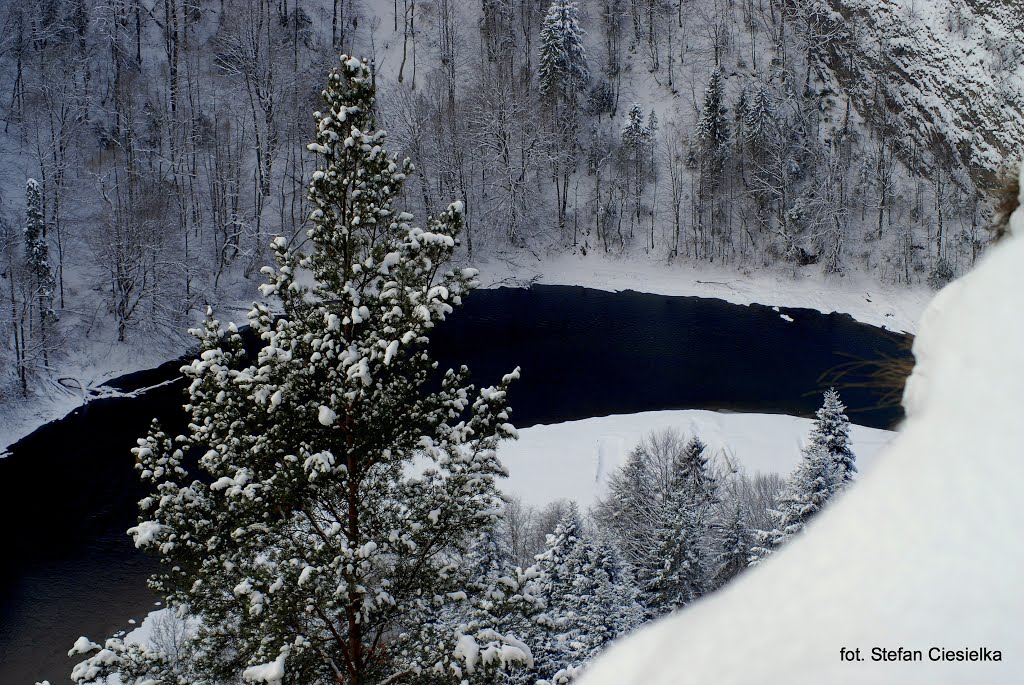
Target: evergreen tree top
{"x":636,"y":133}
{"x":563,"y":57}
{"x":831,"y":432}
{"x":713,"y":126}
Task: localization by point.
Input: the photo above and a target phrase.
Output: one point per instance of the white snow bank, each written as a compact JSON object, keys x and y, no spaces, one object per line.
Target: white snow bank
{"x":923,"y":553}
{"x":895,"y":307}
{"x":573,"y":460}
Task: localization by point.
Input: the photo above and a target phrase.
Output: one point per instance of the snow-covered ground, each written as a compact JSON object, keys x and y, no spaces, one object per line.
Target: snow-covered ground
{"x":573,"y":460}
{"x":80,"y":380}
{"x":94,"y":357}
{"x":862,"y":296}
{"x":922,"y":555}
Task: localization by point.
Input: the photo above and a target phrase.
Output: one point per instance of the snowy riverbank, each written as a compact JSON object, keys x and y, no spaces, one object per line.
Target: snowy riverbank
{"x":95,"y":360}
{"x":79,"y":381}
{"x":894,"y":307}
{"x":573,"y":460}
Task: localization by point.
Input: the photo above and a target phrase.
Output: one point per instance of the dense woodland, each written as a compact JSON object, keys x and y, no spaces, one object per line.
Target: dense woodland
{"x":152,"y":148}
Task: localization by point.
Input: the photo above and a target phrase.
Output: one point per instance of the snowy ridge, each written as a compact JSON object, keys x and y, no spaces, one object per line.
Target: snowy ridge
{"x":917,"y":556}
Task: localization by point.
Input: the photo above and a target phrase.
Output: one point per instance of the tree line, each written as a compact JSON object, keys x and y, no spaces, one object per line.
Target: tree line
{"x":166,"y":142}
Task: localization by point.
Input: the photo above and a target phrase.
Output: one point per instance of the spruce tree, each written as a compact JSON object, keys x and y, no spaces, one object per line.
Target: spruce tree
{"x":676,"y":573}
{"x":498,"y":595}
{"x":740,"y":112}
{"x":588,"y":596}
{"x":697,"y":475}
{"x":636,"y":135}
{"x":629,"y":509}
{"x":341,"y":474}
{"x":812,"y":485}
{"x":734,"y":548}
{"x":759,"y":120}
{"x":37,"y":253}
{"x":601,"y":604}
{"x":563,"y":58}
{"x":713,"y":125}
{"x":831,"y":432}
{"x":616,"y":606}
{"x":558,"y":647}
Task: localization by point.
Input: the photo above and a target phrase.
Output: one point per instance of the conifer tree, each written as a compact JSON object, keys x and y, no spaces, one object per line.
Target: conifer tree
{"x":637,"y":155}
{"x":735,"y":546}
{"x":740,"y":112}
{"x":831,"y":432}
{"x":697,"y":476}
{"x":616,"y":606}
{"x":37,"y":252}
{"x":679,"y":572}
{"x":680,"y":576}
{"x":342,"y":475}
{"x":759,"y":120}
{"x":588,"y":600}
{"x":635,"y":134}
{"x":601,"y":604}
{"x":628,"y":512}
{"x":560,"y":565}
{"x":807,"y":491}
{"x":498,"y":595}
{"x":652,"y":128}
{"x":713,"y":125}
{"x":563,"y":59}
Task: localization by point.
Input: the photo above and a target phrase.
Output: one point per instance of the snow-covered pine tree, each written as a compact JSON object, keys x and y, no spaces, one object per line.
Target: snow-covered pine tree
{"x":342,"y":476}
{"x":713,"y":125}
{"x":557,"y":647}
{"x":807,"y":491}
{"x":652,"y":138}
{"x":589,"y":600}
{"x":676,"y":573}
{"x":602,"y":606}
{"x":563,"y":58}
{"x":37,"y":253}
{"x":629,"y":510}
{"x":759,"y":120}
{"x":734,"y":547}
{"x":498,"y":595}
{"x":617,"y":600}
{"x":739,"y":113}
{"x":636,"y":136}
{"x":831,"y":432}
{"x":698,"y":476}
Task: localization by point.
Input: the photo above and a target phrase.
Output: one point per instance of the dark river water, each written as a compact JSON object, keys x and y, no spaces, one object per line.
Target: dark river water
{"x":68,"y":492}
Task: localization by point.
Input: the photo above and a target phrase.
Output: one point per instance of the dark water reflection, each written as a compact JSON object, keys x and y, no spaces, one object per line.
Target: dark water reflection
{"x":69,"y":491}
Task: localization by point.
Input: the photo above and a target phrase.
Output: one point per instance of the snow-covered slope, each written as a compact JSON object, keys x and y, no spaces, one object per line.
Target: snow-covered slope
{"x":573,"y":460}
{"x":922,"y":554}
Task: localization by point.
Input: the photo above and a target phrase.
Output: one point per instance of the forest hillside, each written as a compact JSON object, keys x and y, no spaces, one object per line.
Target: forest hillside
{"x":152,"y":148}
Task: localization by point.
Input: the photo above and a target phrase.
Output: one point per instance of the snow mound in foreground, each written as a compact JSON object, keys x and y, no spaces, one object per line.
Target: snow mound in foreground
{"x":922,"y":553}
